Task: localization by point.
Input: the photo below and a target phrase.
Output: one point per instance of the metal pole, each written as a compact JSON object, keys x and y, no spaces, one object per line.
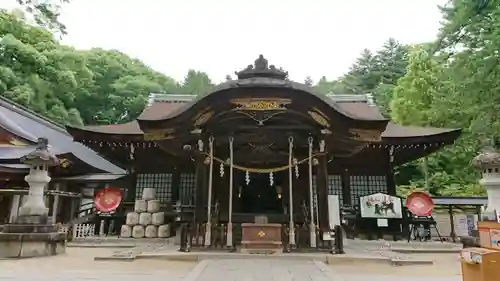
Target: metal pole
{"x":426,"y":174}
{"x":229,"y":239}
{"x":312,"y":226}
{"x":290,"y":190}
{"x":208,"y":228}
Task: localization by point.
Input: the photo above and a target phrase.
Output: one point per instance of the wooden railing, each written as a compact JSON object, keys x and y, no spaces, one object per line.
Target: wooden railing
{"x":193,"y":236}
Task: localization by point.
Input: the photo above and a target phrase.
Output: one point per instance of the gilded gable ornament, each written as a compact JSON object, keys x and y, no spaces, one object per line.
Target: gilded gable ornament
{"x":163,"y":134}
{"x":366,"y":135}
{"x":261,"y":104}
{"x":201,"y":119}
{"x":319,"y":118}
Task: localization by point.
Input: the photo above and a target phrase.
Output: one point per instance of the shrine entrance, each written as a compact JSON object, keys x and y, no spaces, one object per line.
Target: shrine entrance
{"x":260,"y":194}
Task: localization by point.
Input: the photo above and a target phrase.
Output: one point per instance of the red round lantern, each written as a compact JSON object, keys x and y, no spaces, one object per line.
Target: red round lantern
{"x":108,"y":199}
{"x":420,"y":204}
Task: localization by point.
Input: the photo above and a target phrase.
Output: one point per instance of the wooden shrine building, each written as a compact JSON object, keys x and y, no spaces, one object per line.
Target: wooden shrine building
{"x":20,"y":130}
{"x":262,"y":144}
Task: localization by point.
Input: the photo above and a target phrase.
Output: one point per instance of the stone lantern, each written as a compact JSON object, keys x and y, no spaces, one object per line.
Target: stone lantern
{"x":31,"y":235}
{"x":40,"y":161}
{"x":488,"y":162}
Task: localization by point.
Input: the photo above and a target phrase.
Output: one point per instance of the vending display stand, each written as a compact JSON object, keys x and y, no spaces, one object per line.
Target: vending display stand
{"x":480,"y":264}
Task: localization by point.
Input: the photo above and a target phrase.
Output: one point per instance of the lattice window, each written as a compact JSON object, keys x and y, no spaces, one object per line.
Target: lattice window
{"x":335,"y":187}
{"x":187,"y":188}
{"x":362,"y":185}
{"x":161,"y":182}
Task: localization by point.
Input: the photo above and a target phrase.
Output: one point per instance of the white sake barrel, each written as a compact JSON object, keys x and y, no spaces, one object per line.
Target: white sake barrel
{"x":140,"y":206}
{"x":153,"y":206}
{"x":151,"y":231}
{"x":158,"y":218}
{"x":126,"y":231}
{"x":164,"y":231}
{"x":149,"y":193}
{"x":144,"y":218}
{"x":132,"y":219}
{"x":138,"y":231}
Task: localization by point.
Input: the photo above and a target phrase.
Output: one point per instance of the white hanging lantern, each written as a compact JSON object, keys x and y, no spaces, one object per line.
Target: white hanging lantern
{"x":271,"y":179}
{"x":247,"y":178}
{"x":296,"y":167}
{"x":221,"y":170}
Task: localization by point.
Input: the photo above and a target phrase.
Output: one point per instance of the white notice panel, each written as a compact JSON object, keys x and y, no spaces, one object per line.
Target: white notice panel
{"x":333,"y":210}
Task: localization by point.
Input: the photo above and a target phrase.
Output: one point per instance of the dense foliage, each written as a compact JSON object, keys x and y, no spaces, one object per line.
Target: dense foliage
{"x":452,"y":82}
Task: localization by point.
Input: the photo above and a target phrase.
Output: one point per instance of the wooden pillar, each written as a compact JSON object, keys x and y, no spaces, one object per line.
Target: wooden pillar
{"x":200,"y":189}
{"x":346,"y":187}
{"x":391,"y":184}
{"x":322,"y":186}
{"x":176,"y":184}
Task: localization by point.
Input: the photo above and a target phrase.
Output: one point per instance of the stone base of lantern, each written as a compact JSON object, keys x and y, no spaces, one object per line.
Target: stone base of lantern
{"x":31,"y":236}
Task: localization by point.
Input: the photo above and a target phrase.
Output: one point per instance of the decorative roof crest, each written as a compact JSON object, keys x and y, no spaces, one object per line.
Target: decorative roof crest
{"x":262,"y":69}
{"x":42,"y":155}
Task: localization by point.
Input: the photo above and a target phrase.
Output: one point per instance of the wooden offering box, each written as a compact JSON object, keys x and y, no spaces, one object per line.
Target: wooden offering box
{"x":261,"y":236}
{"x":479,"y":264}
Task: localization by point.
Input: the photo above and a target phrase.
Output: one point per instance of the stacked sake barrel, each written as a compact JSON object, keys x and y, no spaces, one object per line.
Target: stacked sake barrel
{"x":146,"y":220}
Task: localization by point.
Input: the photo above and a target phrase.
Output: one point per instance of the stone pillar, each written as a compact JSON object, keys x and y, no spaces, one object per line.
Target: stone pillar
{"x":14,"y":209}
{"x":488,"y":161}
{"x":55,"y":206}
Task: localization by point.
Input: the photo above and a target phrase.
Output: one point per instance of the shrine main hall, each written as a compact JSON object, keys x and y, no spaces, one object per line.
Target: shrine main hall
{"x":261,"y":145}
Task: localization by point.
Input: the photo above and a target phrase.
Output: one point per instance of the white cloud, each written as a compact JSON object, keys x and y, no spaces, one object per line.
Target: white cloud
{"x":307,"y":38}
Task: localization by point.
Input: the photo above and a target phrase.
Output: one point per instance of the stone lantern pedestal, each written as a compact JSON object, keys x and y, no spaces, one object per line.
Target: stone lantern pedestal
{"x":31,"y":235}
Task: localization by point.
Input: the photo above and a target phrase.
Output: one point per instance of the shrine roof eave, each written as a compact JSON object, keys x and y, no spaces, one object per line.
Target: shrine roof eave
{"x":397,"y":134}
{"x":256,"y":82}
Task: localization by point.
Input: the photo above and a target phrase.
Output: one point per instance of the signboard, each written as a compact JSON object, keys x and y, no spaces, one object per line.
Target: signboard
{"x":495,"y":238}
{"x":333,"y":210}
{"x":380,"y":206}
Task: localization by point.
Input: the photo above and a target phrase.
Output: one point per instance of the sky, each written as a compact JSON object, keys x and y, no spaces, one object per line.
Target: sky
{"x":307,"y":38}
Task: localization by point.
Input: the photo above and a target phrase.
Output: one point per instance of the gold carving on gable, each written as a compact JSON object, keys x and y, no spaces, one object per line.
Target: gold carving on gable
{"x":366,"y":135}
{"x":64,"y":163}
{"x":319,"y":117}
{"x":163,"y":134}
{"x":260,"y":104}
{"x":203,"y":117}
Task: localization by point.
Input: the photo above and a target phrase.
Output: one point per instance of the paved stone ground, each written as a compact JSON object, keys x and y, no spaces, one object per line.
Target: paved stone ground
{"x":78,"y":265}
{"x":280,"y":270}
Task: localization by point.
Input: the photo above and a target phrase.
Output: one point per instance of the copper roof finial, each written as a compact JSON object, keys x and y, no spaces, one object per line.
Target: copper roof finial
{"x":261,"y":68}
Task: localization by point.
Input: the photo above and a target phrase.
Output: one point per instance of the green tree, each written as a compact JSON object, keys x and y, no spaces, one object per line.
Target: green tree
{"x":195,"y":83}
{"x":45,"y":13}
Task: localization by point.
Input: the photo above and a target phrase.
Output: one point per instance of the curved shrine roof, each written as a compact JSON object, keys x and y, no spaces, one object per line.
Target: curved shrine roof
{"x":29,"y":126}
{"x":359,"y":106}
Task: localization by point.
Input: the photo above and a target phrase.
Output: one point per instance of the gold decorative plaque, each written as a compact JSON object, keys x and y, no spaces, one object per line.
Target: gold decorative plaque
{"x":201,"y":119}
{"x":319,"y":118}
{"x":258,"y":104}
{"x":261,"y":233}
{"x":366,"y":135}
{"x":164,"y":134}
